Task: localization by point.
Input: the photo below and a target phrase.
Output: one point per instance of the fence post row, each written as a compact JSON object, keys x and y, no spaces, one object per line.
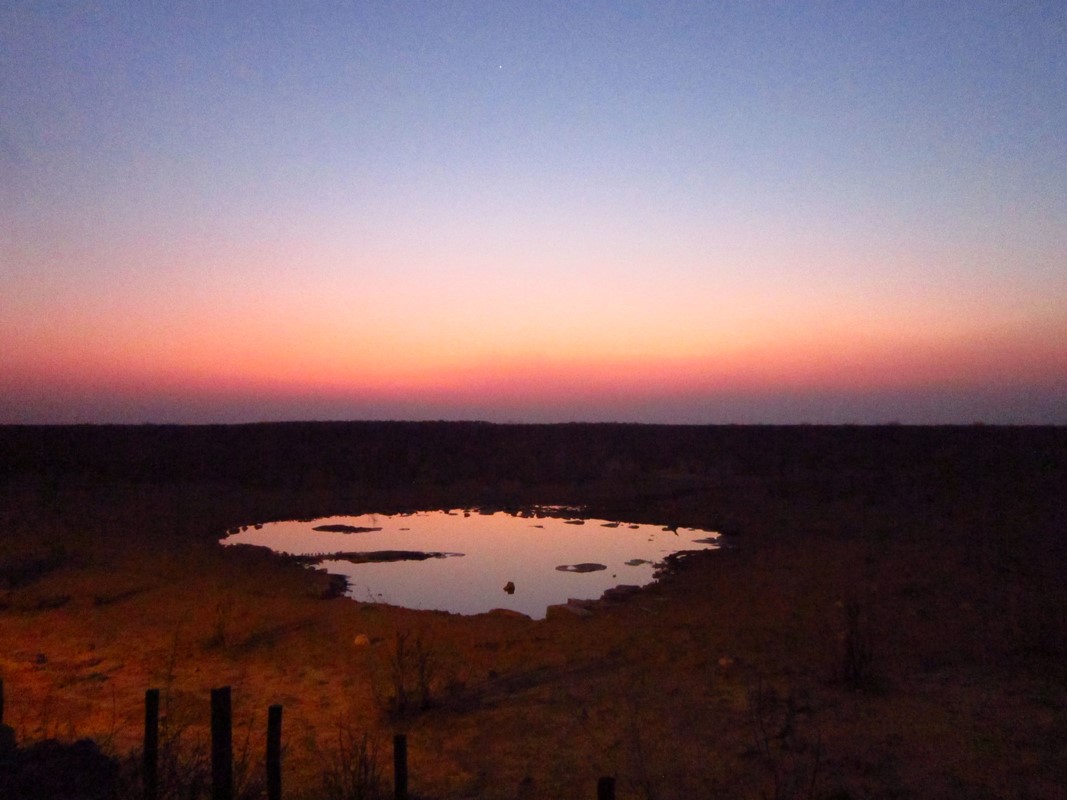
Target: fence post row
{"x":221,"y":744}
{"x":222,"y":750}
{"x":150,"y":756}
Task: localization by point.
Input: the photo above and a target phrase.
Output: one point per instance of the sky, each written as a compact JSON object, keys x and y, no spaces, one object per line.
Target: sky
{"x":664,"y":212}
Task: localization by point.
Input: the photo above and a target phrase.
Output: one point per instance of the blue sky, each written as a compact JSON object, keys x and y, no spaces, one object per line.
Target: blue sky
{"x":653,"y":212}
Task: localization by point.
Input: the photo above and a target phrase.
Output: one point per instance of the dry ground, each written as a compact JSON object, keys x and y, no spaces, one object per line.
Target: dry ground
{"x":895,"y":630}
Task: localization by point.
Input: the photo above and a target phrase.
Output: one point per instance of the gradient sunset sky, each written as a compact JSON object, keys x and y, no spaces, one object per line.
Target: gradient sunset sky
{"x":531,"y":211}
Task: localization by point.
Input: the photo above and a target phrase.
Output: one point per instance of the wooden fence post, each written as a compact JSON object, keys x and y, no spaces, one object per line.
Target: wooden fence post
{"x":221,"y":744}
{"x":605,"y":788}
{"x":7,"y":734}
{"x":274,"y":753}
{"x":400,"y":767}
{"x":150,"y":756}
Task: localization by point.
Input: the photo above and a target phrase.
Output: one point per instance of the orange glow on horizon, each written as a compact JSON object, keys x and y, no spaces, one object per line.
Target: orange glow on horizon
{"x":321,"y":363}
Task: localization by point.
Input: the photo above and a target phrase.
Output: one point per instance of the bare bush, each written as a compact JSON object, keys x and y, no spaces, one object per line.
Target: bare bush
{"x":411,"y":675}
{"x":352,"y":770}
{"x":857,"y":658}
{"x":791,"y":756}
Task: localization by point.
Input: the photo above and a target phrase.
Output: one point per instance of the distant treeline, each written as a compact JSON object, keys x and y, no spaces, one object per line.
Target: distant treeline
{"x":397,"y":454}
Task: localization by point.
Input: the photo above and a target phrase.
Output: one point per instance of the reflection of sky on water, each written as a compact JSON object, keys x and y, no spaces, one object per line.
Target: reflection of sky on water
{"x":497,"y":548}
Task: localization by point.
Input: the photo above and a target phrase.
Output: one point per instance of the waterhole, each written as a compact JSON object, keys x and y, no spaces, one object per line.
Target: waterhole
{"x":471,"y":561}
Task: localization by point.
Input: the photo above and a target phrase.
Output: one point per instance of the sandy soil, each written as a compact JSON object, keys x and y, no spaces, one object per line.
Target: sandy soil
{"x":886,"y":622}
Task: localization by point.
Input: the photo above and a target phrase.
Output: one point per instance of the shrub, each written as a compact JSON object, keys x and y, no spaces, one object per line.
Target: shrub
{"x":411,"y":675}
{"x":857,"y":658}
{"x":352,"y":771}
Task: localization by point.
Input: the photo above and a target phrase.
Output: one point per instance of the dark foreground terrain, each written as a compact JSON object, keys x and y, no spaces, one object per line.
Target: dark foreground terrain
{"x":887,"y":622}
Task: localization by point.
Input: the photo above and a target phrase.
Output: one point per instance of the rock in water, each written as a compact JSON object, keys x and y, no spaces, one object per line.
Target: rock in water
{"x":581,"y":567}
{"x":344,"y":529}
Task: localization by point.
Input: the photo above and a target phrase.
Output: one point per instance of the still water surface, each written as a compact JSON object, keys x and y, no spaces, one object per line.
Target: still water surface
{"x":478,"y":556}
